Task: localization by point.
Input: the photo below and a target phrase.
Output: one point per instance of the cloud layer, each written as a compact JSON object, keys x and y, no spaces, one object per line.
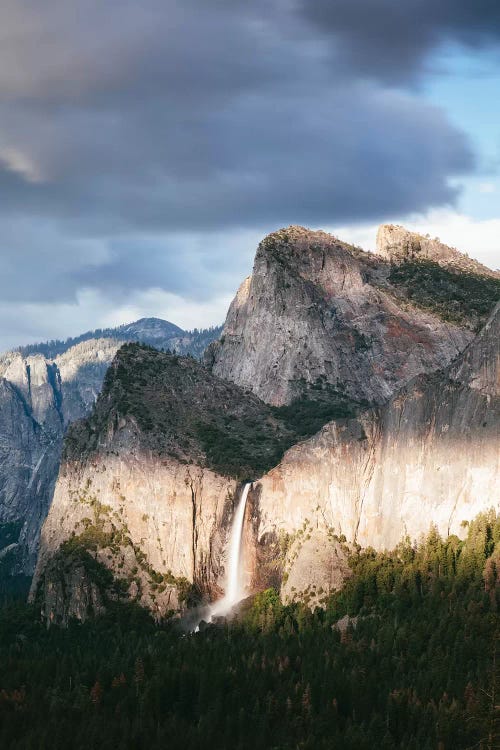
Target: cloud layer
{"x":143,"y":145}
{"x":391,"y":41}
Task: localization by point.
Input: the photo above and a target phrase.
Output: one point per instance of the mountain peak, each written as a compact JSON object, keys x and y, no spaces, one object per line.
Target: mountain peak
{"x":154,"y":331}
{"x":397,"y":244}
{"x":155,"y":327}
{"x":319,"y":312}
{"x":297,"y":240}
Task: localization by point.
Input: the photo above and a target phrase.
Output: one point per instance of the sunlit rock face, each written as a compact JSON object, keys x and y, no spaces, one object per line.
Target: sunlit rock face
{"x":397,"y":245}
{"x":430,"y":456}
{"x":155,"y":518}
{"x":139,"y":489}
{"x":427,"y":457}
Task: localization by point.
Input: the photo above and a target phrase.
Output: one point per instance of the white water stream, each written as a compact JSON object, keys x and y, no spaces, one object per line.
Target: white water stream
{"x":235,"y":588}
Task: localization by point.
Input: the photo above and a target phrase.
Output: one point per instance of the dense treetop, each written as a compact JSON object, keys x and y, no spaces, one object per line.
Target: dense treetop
{"x":413,"y":666}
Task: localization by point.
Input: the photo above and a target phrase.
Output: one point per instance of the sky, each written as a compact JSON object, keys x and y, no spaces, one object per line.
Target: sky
{"x":146,"y":148}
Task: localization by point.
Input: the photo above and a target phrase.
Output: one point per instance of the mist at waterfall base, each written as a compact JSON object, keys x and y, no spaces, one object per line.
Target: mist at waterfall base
{"x":234,"y":589}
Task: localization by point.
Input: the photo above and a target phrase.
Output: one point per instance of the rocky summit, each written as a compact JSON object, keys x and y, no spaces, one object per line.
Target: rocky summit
{"x":317,"y":312}
{"x":357,"y":392}
{"x":398,"y":245}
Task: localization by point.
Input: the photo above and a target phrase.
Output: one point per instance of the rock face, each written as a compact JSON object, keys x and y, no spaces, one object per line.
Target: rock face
{"x":29,"y":458}
{"x":316,"y":310}
{"x":429,"y":456}
{"x":148,"y":483}
{"x":397,"y":245}
{"x":147,"y":488}
{"x":39,"y":397}
{"x":158,"y":519}
{"x":157,"y":524}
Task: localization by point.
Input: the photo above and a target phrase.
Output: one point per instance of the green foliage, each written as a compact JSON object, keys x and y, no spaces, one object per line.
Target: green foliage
{"x":182,"y":411}
{"x":248,"y":447}
{"x":244,"y":449}
{"x":414,"y":668}
{"x":401,"y":579}
{"x":185,"y":412}
{"x":458,"y":297}
{"x":266,"y":612}
{"x":319,"y":404}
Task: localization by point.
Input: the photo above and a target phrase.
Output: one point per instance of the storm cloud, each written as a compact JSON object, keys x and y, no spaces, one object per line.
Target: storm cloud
{"x":390,"y":41}
{"x":138,"y":139}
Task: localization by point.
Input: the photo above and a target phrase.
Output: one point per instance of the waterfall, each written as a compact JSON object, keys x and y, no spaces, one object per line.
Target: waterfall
{"x":235,"y":590}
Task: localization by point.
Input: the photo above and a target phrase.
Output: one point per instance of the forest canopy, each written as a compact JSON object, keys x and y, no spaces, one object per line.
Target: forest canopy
{"x":404,"y":656}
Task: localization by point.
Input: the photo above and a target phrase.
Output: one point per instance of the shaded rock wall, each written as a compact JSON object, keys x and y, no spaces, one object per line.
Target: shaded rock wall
{"x":39,"y":397}
{"x":318,"y":310}
{"x":429,"y":457}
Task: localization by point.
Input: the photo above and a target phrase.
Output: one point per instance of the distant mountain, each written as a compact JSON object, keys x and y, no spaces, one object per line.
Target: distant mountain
{"x":43,"y":388}
{"x":153,"y":331}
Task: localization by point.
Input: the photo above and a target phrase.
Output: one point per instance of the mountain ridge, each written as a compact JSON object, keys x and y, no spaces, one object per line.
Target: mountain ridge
{"x":149,"y":330}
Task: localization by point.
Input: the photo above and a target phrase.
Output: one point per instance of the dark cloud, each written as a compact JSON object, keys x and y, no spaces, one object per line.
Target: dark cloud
{"x":390,"y":40}
{"x":133,"y":135}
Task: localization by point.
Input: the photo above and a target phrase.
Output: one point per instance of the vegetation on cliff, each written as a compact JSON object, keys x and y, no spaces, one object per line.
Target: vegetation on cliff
{"x":175,"y":407}
{"x":459,"y":297}
{"x":414,"y":666}
{"x":110,"y":564}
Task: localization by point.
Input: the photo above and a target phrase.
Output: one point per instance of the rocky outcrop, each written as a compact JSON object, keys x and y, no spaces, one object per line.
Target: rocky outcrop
{"x":479,"y":365}
{"x":44,"y":388}
{"x":72,"y":591}
{"x":159,"y":526}
{"x":316,"y":311}
{"x":148,"y":483}
{"x":398,"y":245}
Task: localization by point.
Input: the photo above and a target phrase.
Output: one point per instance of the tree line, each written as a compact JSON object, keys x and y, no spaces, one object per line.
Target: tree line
{"x":404,"y":656}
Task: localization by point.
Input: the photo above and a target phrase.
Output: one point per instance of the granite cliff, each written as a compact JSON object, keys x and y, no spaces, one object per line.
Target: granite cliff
{"x":318,"y":311}
{"x":363,"y":409}
{"x":429,"y":456}
{"x":147,"y":485}
{"x":43,"y":388}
